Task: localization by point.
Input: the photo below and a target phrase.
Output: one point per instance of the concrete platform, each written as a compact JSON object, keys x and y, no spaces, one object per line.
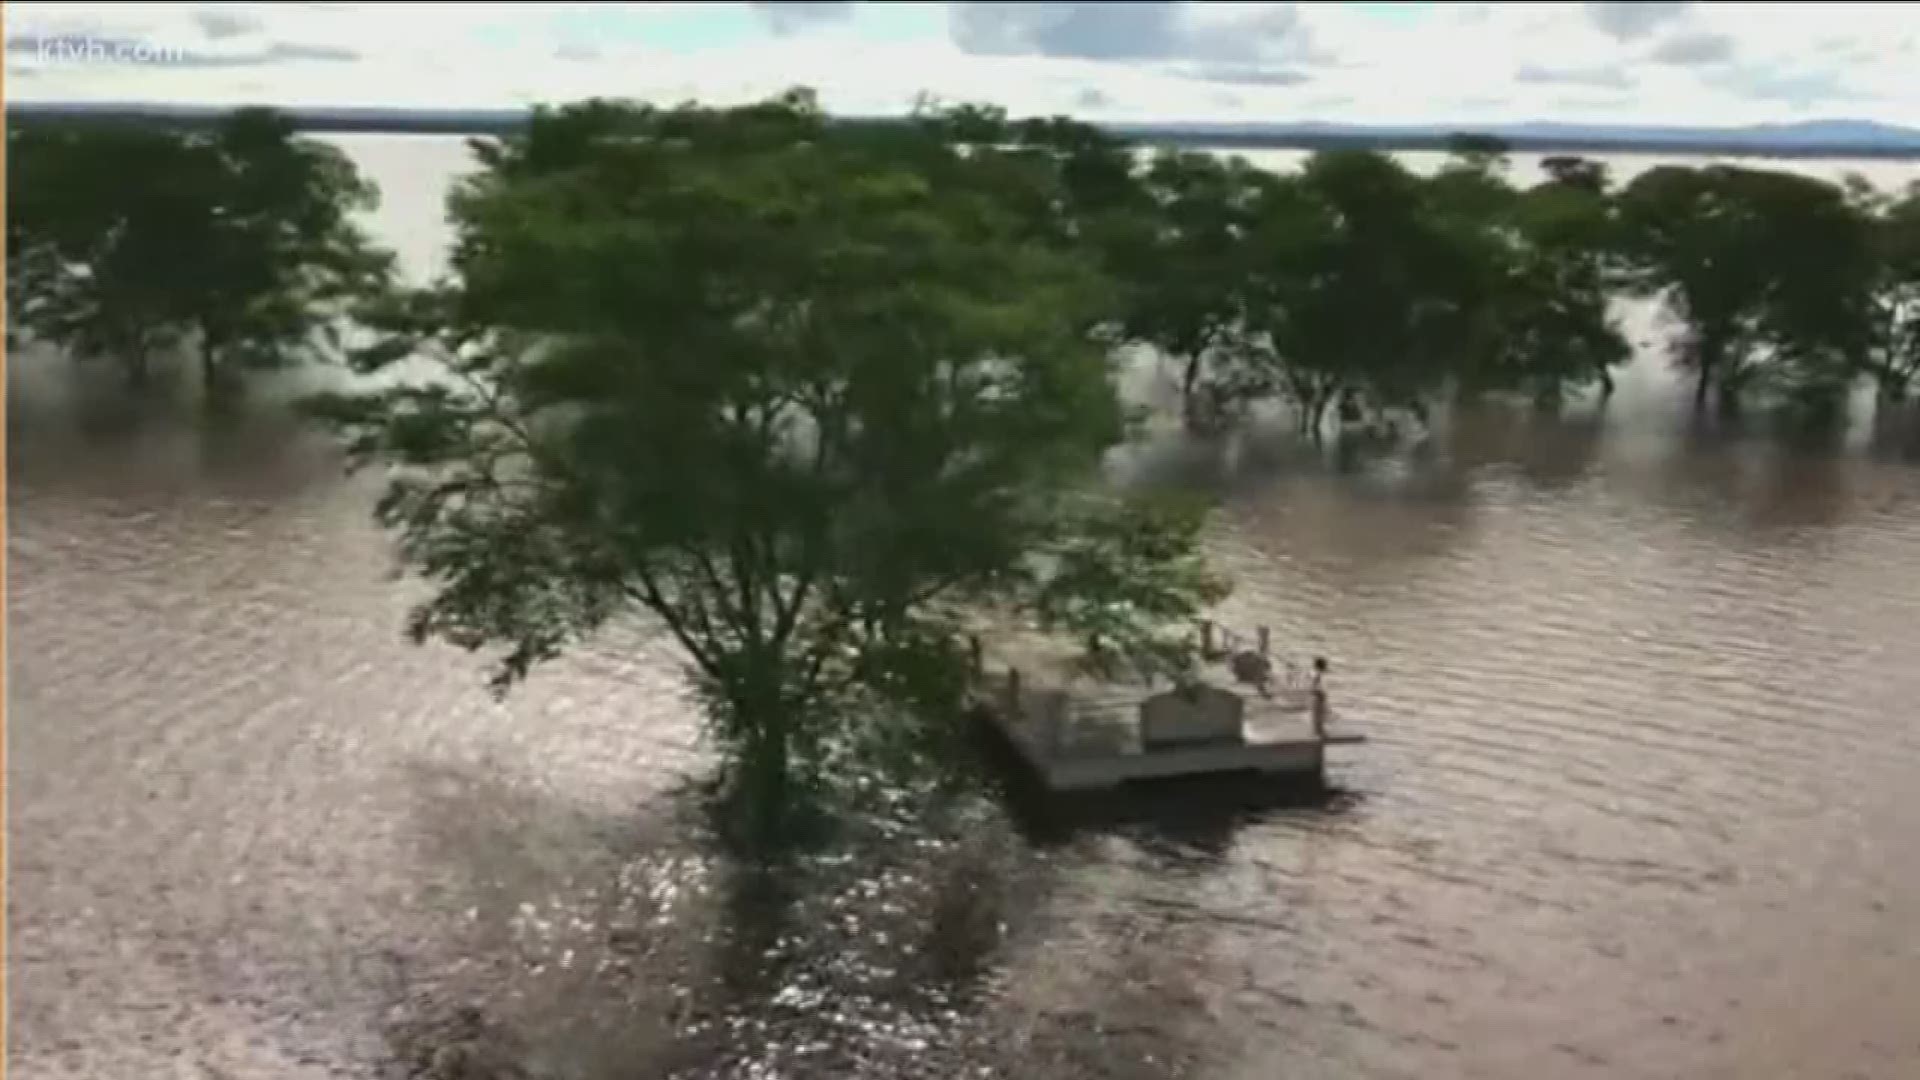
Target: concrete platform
{"x":1088,"y":738}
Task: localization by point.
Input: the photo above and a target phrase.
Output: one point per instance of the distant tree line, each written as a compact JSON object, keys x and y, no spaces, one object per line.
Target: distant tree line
{"x":1358,"y":288}
{"x":1352,"y":288}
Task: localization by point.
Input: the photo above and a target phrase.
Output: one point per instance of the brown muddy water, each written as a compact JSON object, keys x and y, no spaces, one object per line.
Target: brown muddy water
{"x":1641,"y":801}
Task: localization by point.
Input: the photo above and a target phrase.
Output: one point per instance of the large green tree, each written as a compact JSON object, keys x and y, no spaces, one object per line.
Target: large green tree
{"x":1695,"y":242}
{"x":1767,"y":272}
{"x":1471,"y":203}
{"x":98,"y":223}
{"x":1185,"y":269}
{"x":1552,"y":330}
{"x":279,"y":259}
{"x":128,"y":239}
{"x":807,"y":395}
{"x":1362,"y":292}
{"x":1890,"y":348}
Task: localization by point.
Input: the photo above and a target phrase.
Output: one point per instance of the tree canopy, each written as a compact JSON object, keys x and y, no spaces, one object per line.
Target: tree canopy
{"x":1186,"y":267}
{"x":1768,"y":273}
{"x":1357,"y":283}
{"x":127,"y":240}
{"x":1353,"y":281}
{"x":1890,"y":345}
{"x":808,"y":396}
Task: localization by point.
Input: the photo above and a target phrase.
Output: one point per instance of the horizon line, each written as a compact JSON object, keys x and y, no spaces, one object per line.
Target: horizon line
{"x":1787,"y":138}
{"x":521,"y":110}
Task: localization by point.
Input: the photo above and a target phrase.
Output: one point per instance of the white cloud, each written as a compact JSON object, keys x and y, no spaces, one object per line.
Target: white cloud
{"x":1636,"y":62}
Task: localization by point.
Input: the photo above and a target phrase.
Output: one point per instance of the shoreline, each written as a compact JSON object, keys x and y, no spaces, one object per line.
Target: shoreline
{"x":1734,"y":142}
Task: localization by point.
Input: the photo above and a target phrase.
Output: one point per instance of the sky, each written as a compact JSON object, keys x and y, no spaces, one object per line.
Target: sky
{"x":1644,"y":62}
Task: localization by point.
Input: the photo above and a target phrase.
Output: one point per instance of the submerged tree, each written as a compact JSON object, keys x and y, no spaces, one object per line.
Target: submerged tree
{"x":1817,"y":325}
{"x":1694,"y":242}
{"x":1363,"y":293}
{"x":129,"y":239}
{"x":1553,"y":331}
{"x":278,"y":257}
{"x":1571,"y":170}
{"x":1186,"y":270}
{"x":93,"y":253}
{"x":808,"y":397}
{"x":1478,"y":151}
{"x":1890,"y":352}
{"x":1767,"y":272}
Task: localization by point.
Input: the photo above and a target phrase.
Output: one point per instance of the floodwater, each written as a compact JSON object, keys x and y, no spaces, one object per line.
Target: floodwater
{"x":1640,"y":801}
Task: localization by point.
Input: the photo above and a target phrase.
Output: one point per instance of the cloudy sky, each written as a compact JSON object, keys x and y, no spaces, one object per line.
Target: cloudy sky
{"x":1646,"y":62}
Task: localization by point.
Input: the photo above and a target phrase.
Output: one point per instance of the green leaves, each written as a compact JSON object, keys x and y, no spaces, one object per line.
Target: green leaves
{"x":1124,"y":576}
{"x":1892,"y":344}
{"x":1556,"y":253}
{"x":240,"y":239}
{"x":805,"y":395}
{"x":1366,"y":286}
{"x":1771,"y":272}
{"x":1185,"y":264}
{"x":1357,"y":282}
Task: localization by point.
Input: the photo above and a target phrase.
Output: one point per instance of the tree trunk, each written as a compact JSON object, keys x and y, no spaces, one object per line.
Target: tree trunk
{"x":1712,"y":369}
{"x":1606,"y":383}
{"x":215,"y":381}
{"x":1189,"y":379}
{"x":139,"y":368}
{"x":763,"y":800}
{"x":1729,"y":403}
{"x":1317,"y":416}
{"x":769,"y":778}
{"x":1891,"y":389}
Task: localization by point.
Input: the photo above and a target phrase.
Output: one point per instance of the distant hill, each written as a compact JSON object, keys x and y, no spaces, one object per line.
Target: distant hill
{"x":1817,"y":138}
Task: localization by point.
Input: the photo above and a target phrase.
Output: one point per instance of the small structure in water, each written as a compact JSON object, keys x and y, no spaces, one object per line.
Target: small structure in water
{"x":1075,"y":735}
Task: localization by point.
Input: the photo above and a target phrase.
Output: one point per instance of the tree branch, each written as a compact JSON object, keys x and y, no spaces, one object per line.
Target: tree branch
{"x":650,"y":596}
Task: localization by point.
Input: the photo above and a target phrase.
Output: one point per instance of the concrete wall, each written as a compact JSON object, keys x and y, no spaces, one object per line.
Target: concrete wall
{"x":1206,"y":714}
